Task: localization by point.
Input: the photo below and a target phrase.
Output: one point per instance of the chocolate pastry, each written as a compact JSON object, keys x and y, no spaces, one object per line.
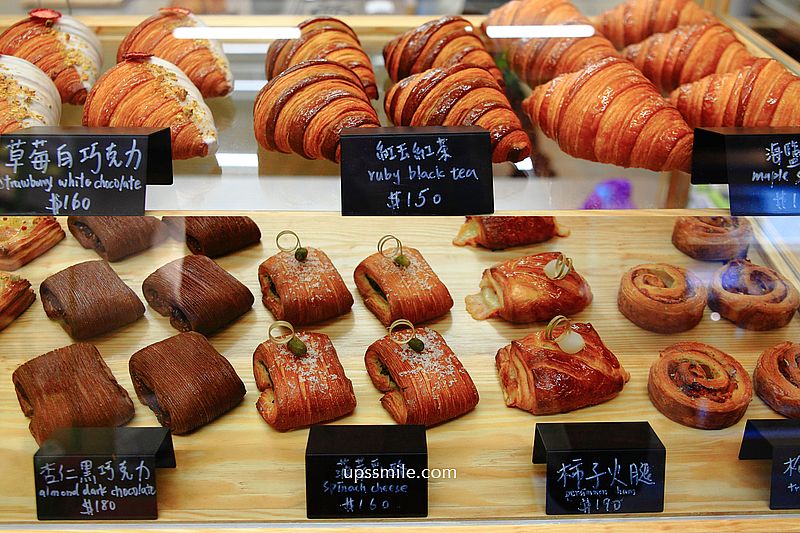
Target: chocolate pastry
{"x":699,"y":386}
{"x":712,"y":238}
{"x":196,"y":294}
{"x":214,"y":236}
{"x":89,"y":299}
{"x":500,"y":232}
{"x":753,"y":296}
{"x":70,"y":387}
{"x":23,"y":239}
{"x":777,"y":378}
{"x":185,"y":381}
{"x":115,"y":238}
{"x":28,"y":96}
{"x":16,"y":295}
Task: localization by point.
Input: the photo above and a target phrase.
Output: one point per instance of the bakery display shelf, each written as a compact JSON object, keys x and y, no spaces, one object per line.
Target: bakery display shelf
{"x":238,"y":469}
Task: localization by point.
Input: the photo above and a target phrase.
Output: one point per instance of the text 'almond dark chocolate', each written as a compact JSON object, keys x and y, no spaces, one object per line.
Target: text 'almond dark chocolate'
{"x":214,"y":236}
{"x":185,"y":381}
{"x":196,"y":294}
{"x":70,"y":387}
{"x":89,"y":299}
{"x":115,"y":238}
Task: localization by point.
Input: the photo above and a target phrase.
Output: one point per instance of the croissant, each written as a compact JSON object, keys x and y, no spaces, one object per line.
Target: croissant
{"x":63,"y":47}
{"x":635,"y":20}
{"x":145,"y":91}
{"x":752,"y":296}
{"x":777,"y":378}
{"x":538,"y":376}
{"x":70,"y":387}
{"x":196,"y":294}
{"x":443,"y":42}
{"x":712,"y":238}
{"x":28,"y":97}
{"x":16,"y":295}
{"x":662,"y":298}
{"x":323,"y":38}
{"x":699,"y":386}
{"x":185,"y":381}
{"x":520,"y":291}
{"x":298,"y":391}
{"x":426,"y":387}
{"x":688,"y":53}
{"x":499,"y":232}
{"x":459,"y":95}
{"x":23,"y":239}
{"x":202,"y":60}
{"x":115,"y":238}
{"x":214,"y":236}
{"x":305,"y":108}
{"x":89,"y":299}
{"x":610,"y":113}
{"x":763,"y":94}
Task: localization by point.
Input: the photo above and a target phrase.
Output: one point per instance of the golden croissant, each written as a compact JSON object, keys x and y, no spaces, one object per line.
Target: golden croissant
{"x":460,"y":95}
{"x":306,"y":107}
{"x":439,"y":43}
{"x":636,"y":20}
{"x":610,"y":113}
{"x":688,"y":53}
{"x":146,"y":91}
{"x":28,"y":97}
{"x":63,"y":47}
{"x":323,"y":38}
{"x":202,"y":60}
{"x":763,"y":94}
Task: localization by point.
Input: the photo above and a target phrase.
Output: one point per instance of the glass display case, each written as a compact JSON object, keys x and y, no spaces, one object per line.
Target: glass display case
{"x":613,"y":223}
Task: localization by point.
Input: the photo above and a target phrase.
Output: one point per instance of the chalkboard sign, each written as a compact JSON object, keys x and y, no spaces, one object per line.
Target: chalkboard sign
{"x":760,"y":165}
{"x":601,"y":467}
{"x":101,"y":473}
{"x":366,"y":472}
{"x":778,"y":440}
{"x":417,"y":171}
{"x":81,"y":171}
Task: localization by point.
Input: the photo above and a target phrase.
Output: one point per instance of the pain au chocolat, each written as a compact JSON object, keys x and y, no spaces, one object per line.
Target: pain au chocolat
{"x":115,"y":238}
{"x":214,"y":236}
{"x":23,"y":239}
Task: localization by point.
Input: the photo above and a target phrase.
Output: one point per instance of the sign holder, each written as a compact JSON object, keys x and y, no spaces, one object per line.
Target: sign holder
{"x":779,"y":441}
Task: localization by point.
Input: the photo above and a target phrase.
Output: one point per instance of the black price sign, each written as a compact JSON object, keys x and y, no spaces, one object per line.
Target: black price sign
{"x":101,"y":473}
{"x":601,"y":467}
{"x":779,"y":441}
{"x":417,"y":171}
{"x":82,"y":171}
{"x":366,"y":471}
{"x":760,"y":165}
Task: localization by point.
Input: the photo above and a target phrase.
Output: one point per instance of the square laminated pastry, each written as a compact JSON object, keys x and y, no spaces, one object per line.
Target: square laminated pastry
{"x":23,"y":239}
{"x":298,"y":391}
{"x":303,"y":292}
{"x":16,"y":295}
{"x":70,"y":387}
{"x":89,"y":299}
{"x":426,"y":387}
{"x":185,"y":381}
{"x":392,"y":291}
{"x":214,"y":236}
{"x":196,"y":294}
{"x":115,"y":238}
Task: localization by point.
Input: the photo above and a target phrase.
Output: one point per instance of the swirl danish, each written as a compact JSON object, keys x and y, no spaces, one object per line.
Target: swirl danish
{"x":753,"y":296}
{"x":712,"y":238}
{"x":699,"y":386}
{"x":777,"y":378}
{"x":662,"y":298}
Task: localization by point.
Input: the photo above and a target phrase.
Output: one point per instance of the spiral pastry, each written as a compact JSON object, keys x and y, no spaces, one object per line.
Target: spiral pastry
{"x":712,"y":238}
{"x":460,"y":95}
{"x":27,"y":96}
{"x":202,"y":60}
{"x":777,"y":378}
{"x":662,"y":298}
{"x":63,"y":47}
{"x":306,"y":107}
{"x":323,"y":38}
{"x":753,"y":296}
{"x":699,"y":386}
